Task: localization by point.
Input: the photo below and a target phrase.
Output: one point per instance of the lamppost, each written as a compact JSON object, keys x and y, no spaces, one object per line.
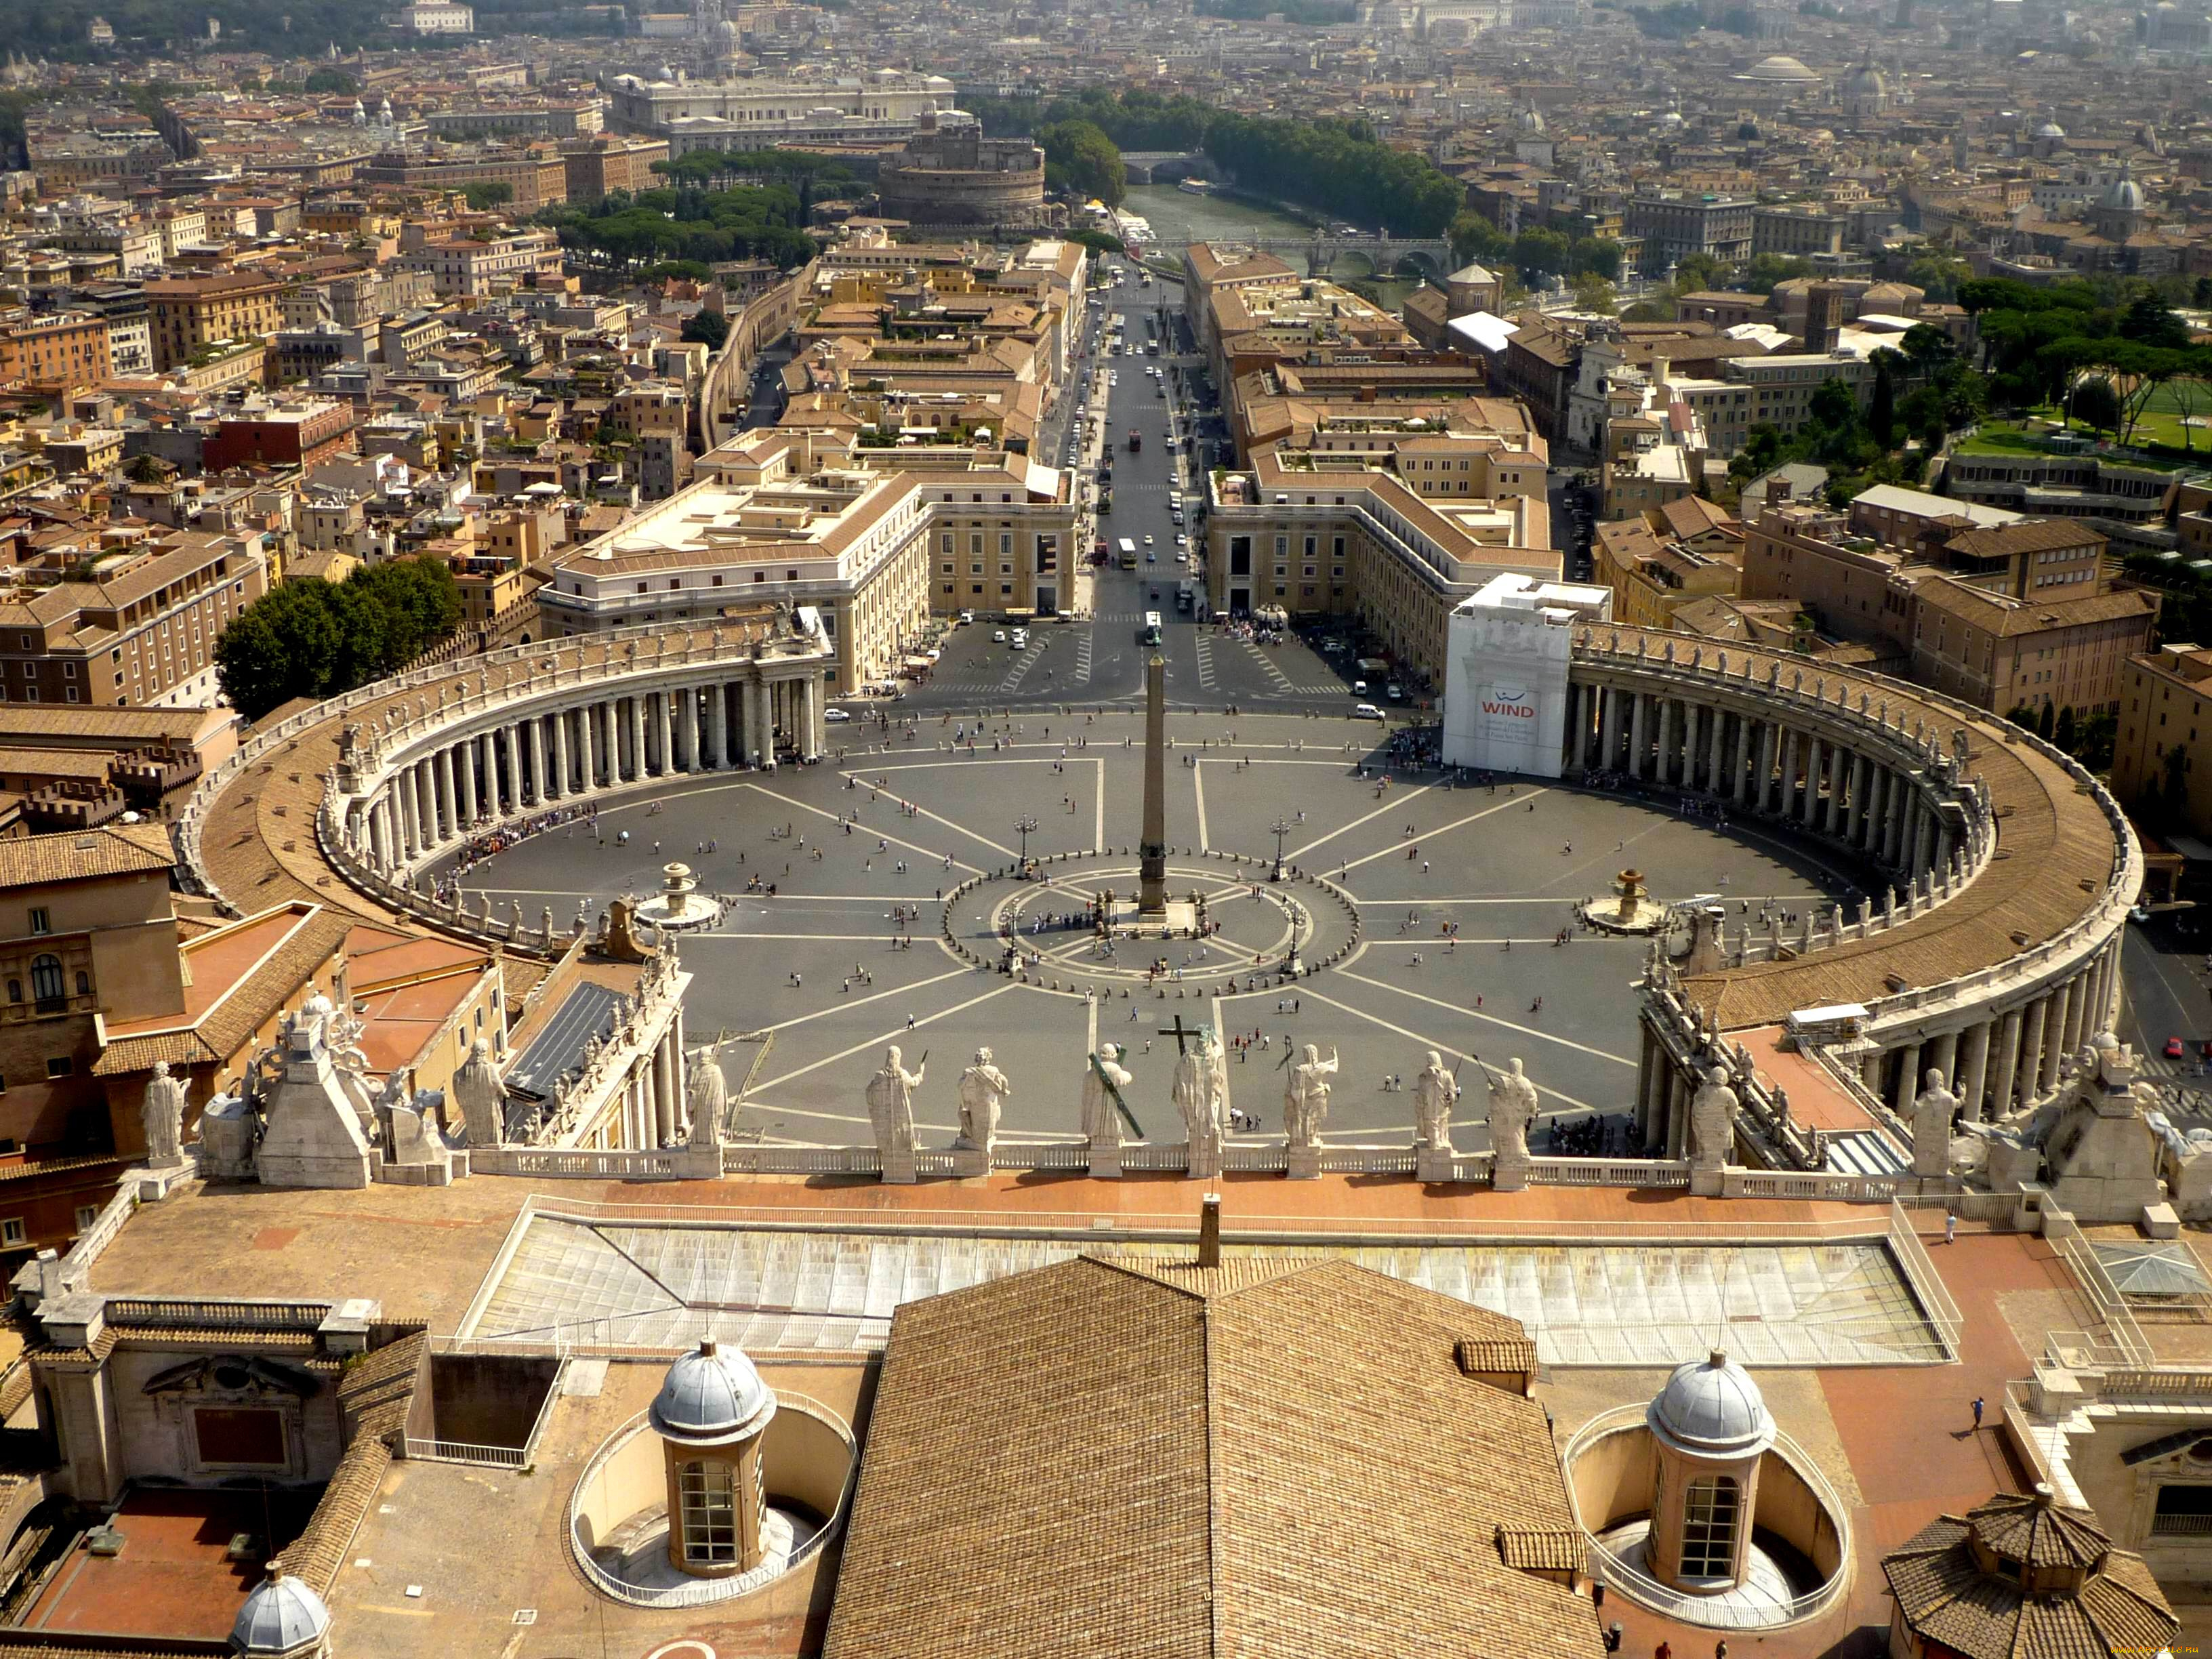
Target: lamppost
{"x":1281,"y":827}
{"x":1022,"y":827}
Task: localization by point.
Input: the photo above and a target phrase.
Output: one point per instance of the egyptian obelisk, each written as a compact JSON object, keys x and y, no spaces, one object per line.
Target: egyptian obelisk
{"x":1152,"y":850}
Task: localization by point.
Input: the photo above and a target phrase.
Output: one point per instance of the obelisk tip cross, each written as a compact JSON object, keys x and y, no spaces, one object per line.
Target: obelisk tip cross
{"x":1152,"y":865}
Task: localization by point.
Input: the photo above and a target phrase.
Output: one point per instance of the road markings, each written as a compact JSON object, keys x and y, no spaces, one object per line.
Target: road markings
{"x":877,"y":1040}
{"x":1487,"y":1019}
{"x":1405,"y":800}
{"x":1441,"y":829}
{"x":932,"y":854}
{"x":1198,"y":785}
{"x":1206,"y":661}
{"x":1431,"y":1042}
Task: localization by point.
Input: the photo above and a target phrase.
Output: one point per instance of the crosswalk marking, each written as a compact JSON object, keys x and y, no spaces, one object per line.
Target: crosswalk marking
{"x":1206,"y":661}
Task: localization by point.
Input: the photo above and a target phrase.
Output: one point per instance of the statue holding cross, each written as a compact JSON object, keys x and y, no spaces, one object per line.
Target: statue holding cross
{"x":1201,"y":1087}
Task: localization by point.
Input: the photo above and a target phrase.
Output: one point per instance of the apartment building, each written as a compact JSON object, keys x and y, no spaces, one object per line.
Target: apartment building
{"x":874,"y":539}
{"x":1967,"y":617}
{"x":127,"y":619}
{"x":1382,"y":519}
{"x":190,"y":313}
{"x":655,"y":419}
{"x":1797,"y":233}
{"x":473,"y":269}
{"x":2165,"y":729}
{"x":304,"y":434}
{"x":65,"y":352}
{"x":1674,"y":226}
{"x":605,"y":163}
{"x":1661,"y":559}
{"x":537,"y":173}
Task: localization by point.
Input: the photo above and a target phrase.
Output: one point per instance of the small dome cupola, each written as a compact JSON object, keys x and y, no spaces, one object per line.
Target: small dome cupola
{"x":283,"y":1618}
{"x":710,"y":1396}
{"x":1711,"y":1408}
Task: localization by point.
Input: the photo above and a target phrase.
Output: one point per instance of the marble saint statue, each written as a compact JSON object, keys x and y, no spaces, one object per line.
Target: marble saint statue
{"x":1305,"y":1097}
{"x":1201,"y":1094}
{"x":1435,"y":1092}
{"x":984,"y":1092}
{"x":162,"y":1115}
{"x":1933,"y":1110}
{"x":890,"y":1102}
{"x":1512,"y":1109}
{"x":479,"y":1098}
{"x":708,"y":1095}
{"x":1103,"y":1077}
{"x":1712,"y":1120}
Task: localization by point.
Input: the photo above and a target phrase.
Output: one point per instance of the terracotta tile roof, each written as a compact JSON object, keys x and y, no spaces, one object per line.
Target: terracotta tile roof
{"x":1121,"y":1457}
{"x":1493,"y":1353}
{"x":1945,"y":1595}
{"x":86,"y":855}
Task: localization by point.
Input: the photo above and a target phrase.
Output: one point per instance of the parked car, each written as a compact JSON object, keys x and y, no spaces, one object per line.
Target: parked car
{"x":1367,"y":711}
{"x":2174,"y":1050}
{"x":835,"y":716}
{"x":998,"y":637}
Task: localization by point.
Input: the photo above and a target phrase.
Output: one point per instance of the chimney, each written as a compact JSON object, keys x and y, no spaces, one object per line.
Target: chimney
{"x":1209,"y":1230}
{"x":1659,"y":364}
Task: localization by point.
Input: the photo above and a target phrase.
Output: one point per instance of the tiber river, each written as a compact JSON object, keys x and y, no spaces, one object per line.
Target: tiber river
{"x":1177,"y":216}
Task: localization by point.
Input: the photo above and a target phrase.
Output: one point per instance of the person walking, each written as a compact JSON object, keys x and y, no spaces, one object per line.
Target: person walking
{"x":1977,"y":1413}
{"x":1951,"y":1227}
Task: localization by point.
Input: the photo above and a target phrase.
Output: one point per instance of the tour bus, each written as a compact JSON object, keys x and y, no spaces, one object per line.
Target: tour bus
{"x":1127,"y":550}
{"x":1152,"y":627}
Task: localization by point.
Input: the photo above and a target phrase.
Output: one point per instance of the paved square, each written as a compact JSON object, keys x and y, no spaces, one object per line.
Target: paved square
{"x":860,"y":849}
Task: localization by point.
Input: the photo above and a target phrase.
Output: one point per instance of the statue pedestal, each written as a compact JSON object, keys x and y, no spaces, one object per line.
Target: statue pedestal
{"x":898,"y":1167}
{"x":1105,"y":1160}
{"x":1301,"y":1163}
{"x":1435,"y":1164}
{"x":1509,"y":1174}
{"x":154,"y":1182}
{"x":1202,"y":1160}
{"x":971,"y":1161}
{"x":1707,"y":1180}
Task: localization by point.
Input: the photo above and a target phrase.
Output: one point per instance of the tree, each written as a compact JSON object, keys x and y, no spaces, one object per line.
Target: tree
{"x":1768,"y":269}
{"x":1594,"y":294}
{"x":2046,"y":720}
{"x":1695,"y":273}
{"x":2095,"y":404}
{"x":308,"y":638}
{"x":1474,"y":237}
{"x":711,"y":327}
{"x":2068,"y":729}
{"x":1881,"y":413}
{"x":332,"y":80}
{"x":1079,"y":156}
{"x":487,"y":193}
{"x":2149,"y":321}
{"x":1938,"y":275}
{"x":1541,"y":253}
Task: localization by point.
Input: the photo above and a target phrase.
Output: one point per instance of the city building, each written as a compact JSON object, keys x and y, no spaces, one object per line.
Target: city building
{"x":1673,"y":225}
{"x":885,"y":105}
{"x":64,"y":351}
{"x":602,"y":162}
{"x":192,"y":315}
{"x":872,"y":541}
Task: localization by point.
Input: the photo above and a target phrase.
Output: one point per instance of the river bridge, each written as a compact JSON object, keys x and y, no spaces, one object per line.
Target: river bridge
{"x":1431,"y":256}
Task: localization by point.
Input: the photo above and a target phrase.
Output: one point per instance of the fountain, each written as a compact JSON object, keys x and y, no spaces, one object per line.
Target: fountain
{"x":1628,"y":909}
{"x":677,"y":905}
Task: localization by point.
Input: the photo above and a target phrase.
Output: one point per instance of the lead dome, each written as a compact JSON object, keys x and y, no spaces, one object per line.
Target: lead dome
{"x":1711,"y":1407}
{"x":711,"y":1394}
{"x":281,"y":1615}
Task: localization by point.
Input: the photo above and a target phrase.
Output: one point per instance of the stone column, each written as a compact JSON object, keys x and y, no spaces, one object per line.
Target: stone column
{"x":1715,"y":762}
{"x":2031,"y":1049}
{"x":715,"y":760}
{"x":449,"y":809}
{"x":1792,"y":743}
{"x":763,"y":722}
{"x":1897,"y":812}
{"x":535,"y":728}
{"x":1809,"y":813}
{"x":1636,"y":734}
{"x":1831,"y":819}
{"x":1677,"y":1113}
{"x":1945,"y":1059}
{"x":1609,"y":728}
{"x":662,"y":724}
{"x":637,"y":735}
{"x":587,"y":743}
{"x":1741,"y":782}
{"x":403,"y":795}
{"x":818,"y":705}
{"x":380,"y":841}
{"x":1647,"y":1079}
{"x":2008,"y":1066}
{"x":426,"y":803}
{"x":2077,"y":1005}
{"x":1862,"y":780}
{"x":466,"y":764}
{"x":511,"y":737}
{"x":1977,"y":1070}
{"x":1663,"y":769}
{"x":664,"y":1089}
{"x":564,"y":779}
{"x":1908,"y":1080}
